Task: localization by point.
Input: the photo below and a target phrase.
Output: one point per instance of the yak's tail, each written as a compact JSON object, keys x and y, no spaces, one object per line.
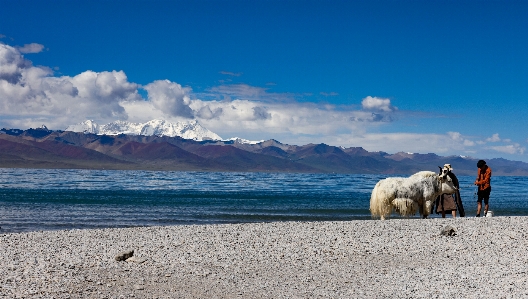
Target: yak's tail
{"x":405,"y":206}
{"x":380,"y":205}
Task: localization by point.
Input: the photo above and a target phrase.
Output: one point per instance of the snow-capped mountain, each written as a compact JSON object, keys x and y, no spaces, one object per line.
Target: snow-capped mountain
{"x":243,"y":141}
{"x":187,"y":130}
{"x":87,"y":126}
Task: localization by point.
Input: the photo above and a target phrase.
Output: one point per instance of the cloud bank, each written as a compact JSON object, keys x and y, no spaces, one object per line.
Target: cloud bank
{"x":30,"y":95}
{"x":33,"y":95}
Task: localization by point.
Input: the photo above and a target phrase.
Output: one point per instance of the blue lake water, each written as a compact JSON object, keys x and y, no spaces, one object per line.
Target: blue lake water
{"x":51,"y":199}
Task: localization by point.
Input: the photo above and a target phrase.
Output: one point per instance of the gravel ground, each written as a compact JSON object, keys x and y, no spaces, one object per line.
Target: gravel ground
{"x":399,"y":258}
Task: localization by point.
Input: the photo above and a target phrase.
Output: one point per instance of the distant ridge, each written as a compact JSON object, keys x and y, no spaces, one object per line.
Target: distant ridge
{"x":153,"y":149}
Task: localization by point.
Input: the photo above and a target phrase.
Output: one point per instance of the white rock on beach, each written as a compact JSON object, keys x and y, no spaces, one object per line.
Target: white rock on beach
{"x":397,"y":258}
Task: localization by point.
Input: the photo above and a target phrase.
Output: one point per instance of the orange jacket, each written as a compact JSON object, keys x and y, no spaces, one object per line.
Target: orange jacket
{"x":483,"y":180}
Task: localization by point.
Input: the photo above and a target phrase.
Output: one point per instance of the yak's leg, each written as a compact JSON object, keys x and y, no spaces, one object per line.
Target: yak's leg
{"x":428,"y":208}
{"x":422,"y":212}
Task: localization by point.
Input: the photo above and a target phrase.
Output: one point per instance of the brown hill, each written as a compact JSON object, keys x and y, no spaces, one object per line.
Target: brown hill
{"x":334,"y":159}
{"x":18,"y":152}
{"x":235,"y":159}
{"x":163,"y":155}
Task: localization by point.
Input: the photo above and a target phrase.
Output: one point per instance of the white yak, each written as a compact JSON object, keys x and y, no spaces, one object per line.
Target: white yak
{"x":406,"y":196}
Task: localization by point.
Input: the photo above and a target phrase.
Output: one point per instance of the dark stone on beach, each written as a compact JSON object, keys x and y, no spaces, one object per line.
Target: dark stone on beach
{"x":123,"y":256}
{"x":448,"y":231}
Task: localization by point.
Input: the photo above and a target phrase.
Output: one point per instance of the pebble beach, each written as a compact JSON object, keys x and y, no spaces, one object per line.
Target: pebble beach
{"x":396,"y":258}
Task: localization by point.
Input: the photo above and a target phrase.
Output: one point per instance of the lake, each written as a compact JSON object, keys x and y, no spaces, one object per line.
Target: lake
{"x":52,"y":199}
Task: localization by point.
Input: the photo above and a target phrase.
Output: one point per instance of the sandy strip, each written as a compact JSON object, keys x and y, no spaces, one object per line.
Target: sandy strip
{"x":487,"y":258}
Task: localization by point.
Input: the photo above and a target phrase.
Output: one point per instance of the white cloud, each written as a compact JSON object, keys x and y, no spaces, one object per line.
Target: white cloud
{"x":507,"y":146}
{"x":205,"y":112}
{"x":494,"y":138}
{"x":457,"y":137}
{"x":31,"y":48}
{"x":30,"y":92}
{"x":231,"y":74}
{"x":144,"y":111}
{"x":377,"y":104}
{"x":247,"y":92}
{"x":104,"y":86}
{"x":12,"y":64}
{"x":250,"y":116}
{"x":509,"y":149}
{"x":329,"y":94}
{"x":170,"y":97}
{"x":468,"y":142}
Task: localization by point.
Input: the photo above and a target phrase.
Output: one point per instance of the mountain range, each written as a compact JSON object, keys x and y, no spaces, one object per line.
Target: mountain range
{"x":150,"y":147}
{"x":188,"y":130}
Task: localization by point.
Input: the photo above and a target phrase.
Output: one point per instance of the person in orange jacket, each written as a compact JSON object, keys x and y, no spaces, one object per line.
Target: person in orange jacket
{"x":483,"y":182}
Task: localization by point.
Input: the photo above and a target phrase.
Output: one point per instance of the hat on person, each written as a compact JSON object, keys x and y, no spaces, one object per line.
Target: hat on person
{"x":481,"y":163}
{"x":448,"y":167}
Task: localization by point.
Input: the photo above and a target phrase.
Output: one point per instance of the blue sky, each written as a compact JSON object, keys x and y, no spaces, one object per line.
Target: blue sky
{"x":448,"y":77}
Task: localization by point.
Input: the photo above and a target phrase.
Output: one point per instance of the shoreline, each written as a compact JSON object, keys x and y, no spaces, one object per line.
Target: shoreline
{"x":397,"y":258}
{"x":5,"y":229}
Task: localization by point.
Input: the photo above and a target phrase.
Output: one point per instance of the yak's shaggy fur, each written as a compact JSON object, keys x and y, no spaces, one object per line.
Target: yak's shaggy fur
{"x":406,"y":196}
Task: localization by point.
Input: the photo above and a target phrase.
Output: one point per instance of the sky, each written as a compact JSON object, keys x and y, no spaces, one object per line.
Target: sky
{"x":444,"y":77}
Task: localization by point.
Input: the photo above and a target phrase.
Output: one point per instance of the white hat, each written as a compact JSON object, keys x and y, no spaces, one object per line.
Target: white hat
{"x":448,"y":167}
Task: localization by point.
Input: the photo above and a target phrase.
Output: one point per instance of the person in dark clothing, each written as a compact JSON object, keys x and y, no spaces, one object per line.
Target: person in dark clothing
{"x":447,"y":202}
